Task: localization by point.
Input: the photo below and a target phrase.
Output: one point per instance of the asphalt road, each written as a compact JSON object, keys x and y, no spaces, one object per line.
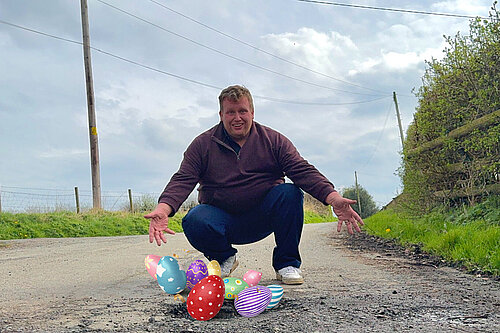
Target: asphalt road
{"x":101,"y":285}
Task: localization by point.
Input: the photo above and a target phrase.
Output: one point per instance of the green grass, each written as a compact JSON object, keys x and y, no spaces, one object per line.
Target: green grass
{"x":68,"y":224}
{"x":467,"y":236}
{"x":91,"y":224}
{"x":314,"y":217}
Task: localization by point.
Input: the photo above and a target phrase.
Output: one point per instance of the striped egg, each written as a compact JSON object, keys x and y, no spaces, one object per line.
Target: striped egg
{"x":277,"y":294}
{"x":252,"y":301}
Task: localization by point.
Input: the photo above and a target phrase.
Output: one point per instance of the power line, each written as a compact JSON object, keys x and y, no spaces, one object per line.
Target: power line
{"x":219,"y":88}
{"x":41,"y":33}
{"x":315,"y":103}
{"x":261,"y":50}
{"x":228,"y":55}
{"x":374,"y":150}
{"x":179,"y":76}
{"x":399,"y":10}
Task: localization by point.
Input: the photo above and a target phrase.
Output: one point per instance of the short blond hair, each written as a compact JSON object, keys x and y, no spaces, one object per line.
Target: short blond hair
{"x":234,"y":93}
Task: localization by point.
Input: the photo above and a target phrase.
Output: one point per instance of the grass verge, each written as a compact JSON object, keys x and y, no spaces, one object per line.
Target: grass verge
{"x":69,"y":224}
{"x":91,"y":224}
{"x":469,"y":237}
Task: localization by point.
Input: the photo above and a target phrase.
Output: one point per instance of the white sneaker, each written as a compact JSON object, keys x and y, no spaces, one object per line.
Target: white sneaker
{"x":290,"y":275}
{"x":228,"y":266}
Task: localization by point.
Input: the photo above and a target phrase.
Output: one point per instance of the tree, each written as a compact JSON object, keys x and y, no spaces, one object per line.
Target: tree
{"x":368,"y":206}
{"x":462,"y":87}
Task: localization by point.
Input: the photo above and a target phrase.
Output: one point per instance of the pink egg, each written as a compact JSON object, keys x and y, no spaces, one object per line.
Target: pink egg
{"x":151,"y":262}
{"x":252,"y":277}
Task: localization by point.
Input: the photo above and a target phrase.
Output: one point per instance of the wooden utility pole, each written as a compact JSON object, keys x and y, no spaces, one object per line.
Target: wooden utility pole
{"x":399,"y":119}
{"x":94,"y":147}
{"x":357,"y":191}
{"x":130,"y":200}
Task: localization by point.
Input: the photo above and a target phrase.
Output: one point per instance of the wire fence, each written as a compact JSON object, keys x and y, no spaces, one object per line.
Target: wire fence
{"x":42,"y":200}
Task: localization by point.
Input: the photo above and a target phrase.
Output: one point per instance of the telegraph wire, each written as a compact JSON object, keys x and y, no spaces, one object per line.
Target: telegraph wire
{"x":220,"y":88}
{"x":154,"y":69}
{"x":228,"y":55}
{"x":379,"y":137}
{"x":261,"y":50}
{"x":178,"y":76}
{"x":399,"y":10}
{"x":40,"y":32}
{"x":317,"y":103}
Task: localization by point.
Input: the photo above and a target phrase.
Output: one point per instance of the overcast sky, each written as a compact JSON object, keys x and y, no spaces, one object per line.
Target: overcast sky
{"x":322,"y":75}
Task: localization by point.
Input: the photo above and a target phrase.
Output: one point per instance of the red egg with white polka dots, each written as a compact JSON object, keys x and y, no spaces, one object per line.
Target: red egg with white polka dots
{"x":205,"y":299}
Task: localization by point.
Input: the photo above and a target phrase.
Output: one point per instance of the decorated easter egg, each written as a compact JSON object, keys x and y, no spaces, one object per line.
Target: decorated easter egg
{"x":252,"y":277}
{"x":171,"y":279}
{"x":151,"y":262}
{"x":205,"y":299}
{"x":214,"y":268}
{"x":233,"y":286}
{"x":252,"y":301}
{"x":277,"y":294}
{"x":195,"y":273}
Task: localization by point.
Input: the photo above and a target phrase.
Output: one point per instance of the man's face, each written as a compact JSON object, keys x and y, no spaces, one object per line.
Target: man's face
{"x":237,"y":117}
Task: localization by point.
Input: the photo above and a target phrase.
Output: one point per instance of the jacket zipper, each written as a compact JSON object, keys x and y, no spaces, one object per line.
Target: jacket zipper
{"x":227,"y":146}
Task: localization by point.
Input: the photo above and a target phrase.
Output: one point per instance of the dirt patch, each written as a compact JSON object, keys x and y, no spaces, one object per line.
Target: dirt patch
{"x":413,"y":252}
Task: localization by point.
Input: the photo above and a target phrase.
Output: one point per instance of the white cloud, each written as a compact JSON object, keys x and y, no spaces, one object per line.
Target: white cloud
{"x":401,"y":61}
{"x":462,"y":7}
{"x":55,"y":153}
{"x":404,"y":48}
{"x":320,"y":51}
{"x":123,"y":105}
{"x":365,"y":66}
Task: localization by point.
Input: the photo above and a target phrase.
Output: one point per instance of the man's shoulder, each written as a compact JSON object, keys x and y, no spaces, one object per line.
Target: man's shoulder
{"x":266,"y":129}
{"x":268,"y":132}
{"x":206,"y":135}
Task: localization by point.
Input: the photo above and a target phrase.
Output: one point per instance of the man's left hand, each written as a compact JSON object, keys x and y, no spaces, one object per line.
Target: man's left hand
{"x":345,"y":213}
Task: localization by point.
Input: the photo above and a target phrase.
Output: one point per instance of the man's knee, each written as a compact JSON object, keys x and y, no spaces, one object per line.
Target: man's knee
{"x":195,"y":220}
{"x":291,"y":192}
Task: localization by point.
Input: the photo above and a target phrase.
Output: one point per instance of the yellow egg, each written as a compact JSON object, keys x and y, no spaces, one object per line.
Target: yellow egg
{"x":214,"y":268}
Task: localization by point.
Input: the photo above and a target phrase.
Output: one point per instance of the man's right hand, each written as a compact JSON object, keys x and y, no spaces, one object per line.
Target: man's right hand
{"x":159,"y":223}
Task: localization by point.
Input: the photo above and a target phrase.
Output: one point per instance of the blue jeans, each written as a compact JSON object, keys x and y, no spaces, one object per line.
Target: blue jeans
{"x":213,"y":231}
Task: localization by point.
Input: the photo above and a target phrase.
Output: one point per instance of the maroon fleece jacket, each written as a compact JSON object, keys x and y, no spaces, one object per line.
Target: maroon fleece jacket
{"x":236,"y":182}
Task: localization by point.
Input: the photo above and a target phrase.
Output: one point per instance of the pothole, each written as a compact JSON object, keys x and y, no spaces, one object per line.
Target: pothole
{"x":227,"y":311}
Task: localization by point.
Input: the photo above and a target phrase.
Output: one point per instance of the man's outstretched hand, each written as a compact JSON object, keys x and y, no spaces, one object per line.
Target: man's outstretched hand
{"x":159,"y":223}
{"x":345,"y":213}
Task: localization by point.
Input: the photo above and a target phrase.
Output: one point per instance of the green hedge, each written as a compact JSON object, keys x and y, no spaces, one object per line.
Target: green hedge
{"x":461,"y":88}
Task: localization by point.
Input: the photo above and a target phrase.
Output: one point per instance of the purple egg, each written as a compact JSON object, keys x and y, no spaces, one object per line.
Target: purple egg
{"x":195,"y":273}
{"x":252,"y":301}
